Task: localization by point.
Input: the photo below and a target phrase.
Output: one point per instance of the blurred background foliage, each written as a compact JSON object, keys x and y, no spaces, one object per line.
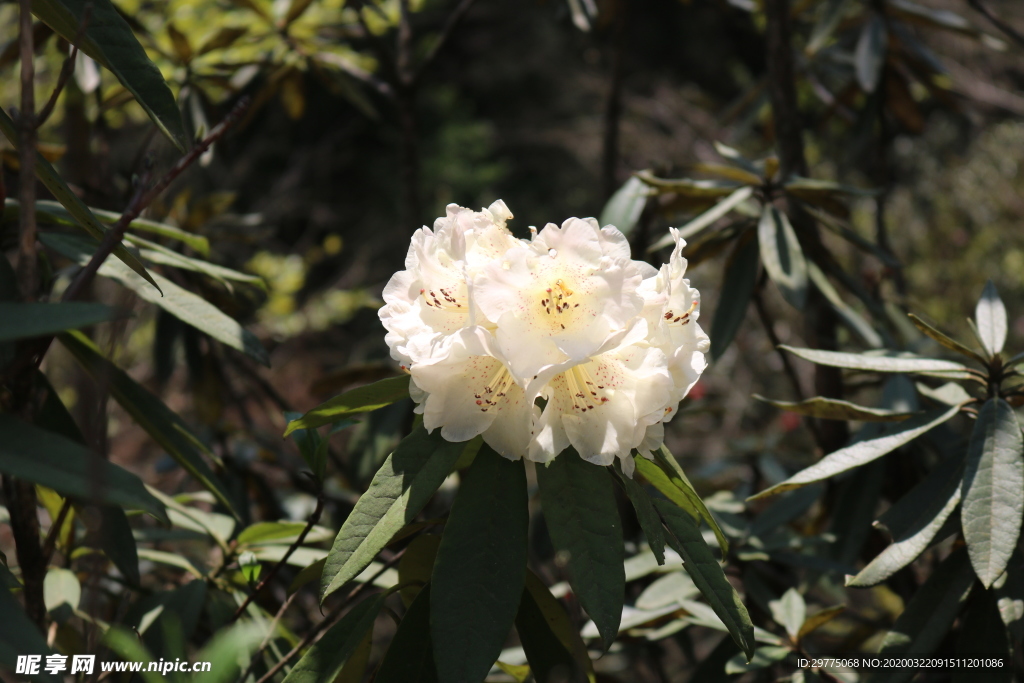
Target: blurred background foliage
{"x":366,"y":122}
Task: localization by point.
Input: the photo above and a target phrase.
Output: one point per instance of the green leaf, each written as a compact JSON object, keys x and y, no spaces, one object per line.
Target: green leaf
{"x":914,"y":522}
{"x":857,"y":324}
{"x":53,"y":212}
{"x":549,"y":658}
{"x":583,"y":520}
{"x":735,"y":158}
{"x":929,"y":615}
{"x":45,"y":458}
{"x":887,"y":362}
{"x":250,"y":566}
{"x":410,"y":656}
{"x":819,"y":619}
{"x":75,"y":206}
{"x":159,"y":421}
{"x":863,"y":452}
{"x":402,"y":486}
{"x":831,"y":13}
{"x":738,"y":282}
{"x":129,"y":648}
{"x":190,"y":308}
{"x":707,"y":218}
{"x":700,"y":189}
{"x":835,"y":409}
{"x":480,"y":568}
{"x":625,"y":206}
{"x":789,"y":611}
{"x":229,"y":651}
{"x":781,"y":255}
{"x":26,"y":320}
{"x":61,"y":593}
{"x":158,"y":253}
{"x":325,"y":659}
{"x":982,"y":633}
{"x":109,"y":40}
{"x":170,"y":559}
{"x":361,"y":400}
{"x":667,"y":590}
{"x":993,"y":481}
{"x":669,"y":464}
{"x":118,"y":543}
{"x":645,"y":513}
{"x":283,"y":533}
{"x":707,"y":574}
{"x":762,"y":659}
{"x":798,"y":185}
{"x":946,"y":341}
{"x":19,"y":636}
{"x":869,"y":56}
{"x":990,"y":316}
{"x":559,"y":624}
{"x":1009,"y":592}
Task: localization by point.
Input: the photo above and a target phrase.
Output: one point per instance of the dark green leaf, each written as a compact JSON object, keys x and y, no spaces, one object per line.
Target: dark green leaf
{"x":798,"y":185}
{"x":857,"y":496}
{"x":182,"y":304}
{"x":583,"y":520}
{"x":869,"y":56}
{"x":68,"y":468}
{"x":945,"y":340}
{"x":159,"y":421}
{"x":480,"y":568}
{"x":53,"y":212}
{"x":410,"y":656}
{"x":863,"y":452}
{"x":19,"y":636}
{"x":625,"y":206}
{"x":888,"y":362}
{"x":784,"y":510}
{"x":109,"y":40}
{"x":835,"y":409}
{"x":361,"y":400}
{"x":1009,"y":592}
{"x":993,"y":481}
{"x":850,"y":317}
{"x":558,"y":622}
{"x":228,"y":649}
{"x":118,"y":543}
{"x":712,"y":668}
{"x":982,"y":632}
{"x":75,"y":206}
{"x":782,"y":256}
{"x":738,"y":283}
{"x":25,"y":320}
{"x":707,"y":574}
{"x":990,"y":316}
{"x":830,"y":14}
{"x":669,"y":464}
{"x":399,"y":490}
{"x":914,"y":522}
{"x":224,"y":37}
{"x":325,"y":659}
{"x":550,"y":660}
{"x":646,"y":514}
{"x":929,"y":615}
{"x":126,"y":644}
{"x":703,"y":189}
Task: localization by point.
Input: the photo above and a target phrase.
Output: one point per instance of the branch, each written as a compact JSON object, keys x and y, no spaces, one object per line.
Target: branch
{"x":51,"y":536}
{"x":66,"y":69}
{"x":330,"y":619}
{"x":28,"y":276}
{"x":313,"y":519}
{"x":1011,"y":32}
{"x":144,"y":197}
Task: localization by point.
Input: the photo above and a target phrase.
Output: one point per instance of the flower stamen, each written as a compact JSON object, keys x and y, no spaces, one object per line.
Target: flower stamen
{"x":498,"y":387}
{"x":431,"y":299}
{"x":671,"y":317}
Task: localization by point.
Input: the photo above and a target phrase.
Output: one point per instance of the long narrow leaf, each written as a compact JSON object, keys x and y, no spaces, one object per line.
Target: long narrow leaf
{"x":888,"y":362}
{"x":363,"y":399}
{"x":835,"y":409}
{"x":781,"y":255}
{"x":26,"y":320}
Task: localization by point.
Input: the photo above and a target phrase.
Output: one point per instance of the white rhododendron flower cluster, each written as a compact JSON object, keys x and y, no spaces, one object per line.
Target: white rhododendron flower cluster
{"x":542,"y":344}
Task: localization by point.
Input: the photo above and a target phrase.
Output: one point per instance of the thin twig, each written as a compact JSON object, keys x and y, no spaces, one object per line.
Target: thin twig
{"x":144,"y":197}
{"x":449,"y":27}
{"x":270,"y":636}
{"x":1011,"y":32}
{"x":313,"y":519}
{"x":66,"y":70}
{"x":51,"y":536}
{"x":330,"y":618}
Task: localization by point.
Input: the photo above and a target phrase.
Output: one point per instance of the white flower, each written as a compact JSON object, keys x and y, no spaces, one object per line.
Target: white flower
{"x":491,"y":328}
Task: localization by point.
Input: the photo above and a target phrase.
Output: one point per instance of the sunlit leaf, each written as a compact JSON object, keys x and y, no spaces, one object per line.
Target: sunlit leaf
{"x":703,"y":189}
{"x":61,"y":592}
{"x":863,"y":452}
{"x":229,"y":650}
{"x":663,"y":456}
{"x":836,"y":409}
{"x":707,"y":574}
{"x":667,"y":590}
{"x":990,"y":316}
{"x":782,"y":256}
{"x":625,"y":206}
{"x":819,"y":619}
{"x":707,"y":218}
{"x":945,"y":340}
{"x":851,"y":317}
{"x":402,"y":486}
{"x":361,"y":400}
{"x":763,"y":658}
{"x":992,"y":485}
{"x":583,"y":520}
{"x":109,"y":40}
{"x":480,"y":568}
{"x":830,"y":14}
{"x":789,"y":611}
{"x":738,"y":282}
{"x":889,"y":362}
{"x":869,"y":56}
{"x":68,"y":468}
{"x":159,"y":421}
{"x":325,"y":659}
